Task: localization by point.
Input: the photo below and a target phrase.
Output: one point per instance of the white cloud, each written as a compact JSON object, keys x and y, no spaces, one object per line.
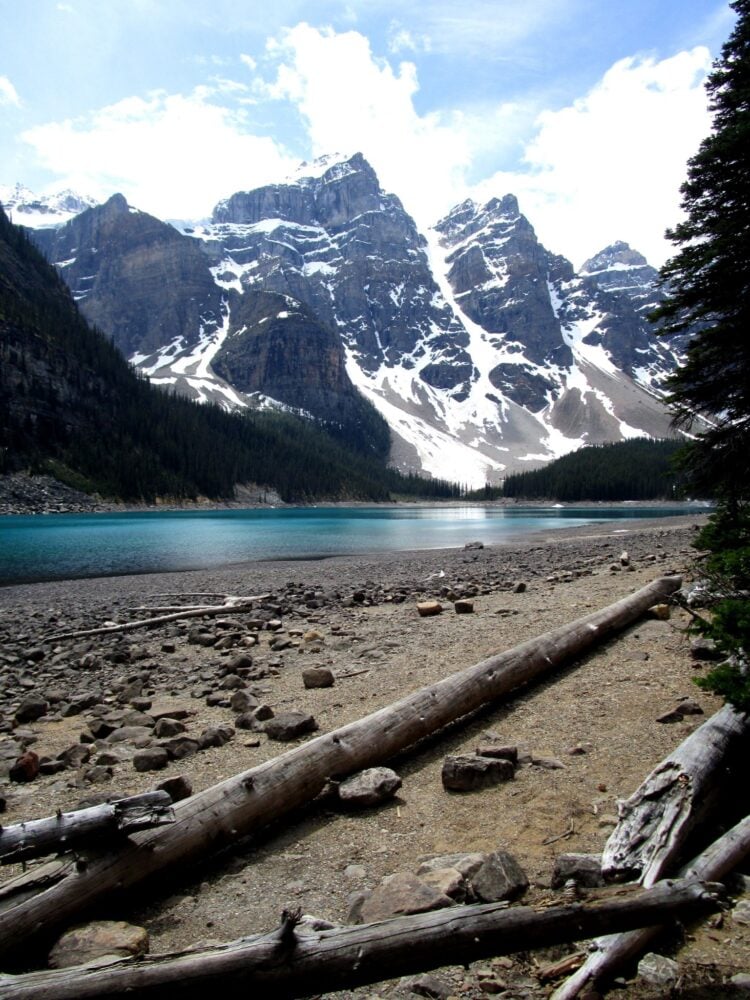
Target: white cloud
{"x":350,"y":101}
{"x":400,"y":39}
{"x":169,"y":154}
{"x":610,"y":165}
{"x":8,"y":93}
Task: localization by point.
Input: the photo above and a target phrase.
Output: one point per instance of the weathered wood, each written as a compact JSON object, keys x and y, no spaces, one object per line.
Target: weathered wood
{"x":236,"y":605}
{"x":251,"y":800}
{"x":66,"y":831}
{"x":656,"y":820}
{"x":287,"y":964}
{"x":613,"y":951}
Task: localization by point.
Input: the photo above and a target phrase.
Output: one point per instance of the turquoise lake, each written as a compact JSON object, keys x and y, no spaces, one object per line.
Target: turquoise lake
{"x":64,"y":546}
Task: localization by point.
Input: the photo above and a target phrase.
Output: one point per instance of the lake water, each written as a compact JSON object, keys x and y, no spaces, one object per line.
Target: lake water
{"x":64,"y":546}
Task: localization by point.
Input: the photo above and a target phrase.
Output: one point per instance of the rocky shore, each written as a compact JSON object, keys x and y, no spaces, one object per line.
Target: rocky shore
{"x":189,"y":702}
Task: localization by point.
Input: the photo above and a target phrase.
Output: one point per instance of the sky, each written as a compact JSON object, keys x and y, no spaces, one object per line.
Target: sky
{"x":586,"y":110}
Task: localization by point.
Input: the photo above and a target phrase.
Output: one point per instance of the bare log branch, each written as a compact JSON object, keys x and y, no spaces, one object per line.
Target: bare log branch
{"x":251,"y":800}
{"x":288,"y":964}
{"x":66,"y":831}
{"x":613,"y":951}
{"x":656,"y":820}
{"x":236,"y":605}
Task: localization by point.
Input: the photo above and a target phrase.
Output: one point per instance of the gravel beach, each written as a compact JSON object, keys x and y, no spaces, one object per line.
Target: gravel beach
{"x":586,"y":736}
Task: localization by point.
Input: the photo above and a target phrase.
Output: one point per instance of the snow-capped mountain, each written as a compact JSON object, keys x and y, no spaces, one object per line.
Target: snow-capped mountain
{"x":40,"y":211}
{"x":484,"y":351}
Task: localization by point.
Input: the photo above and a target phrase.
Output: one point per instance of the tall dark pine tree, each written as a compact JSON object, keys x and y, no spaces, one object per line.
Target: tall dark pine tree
{"x":708,"y":289}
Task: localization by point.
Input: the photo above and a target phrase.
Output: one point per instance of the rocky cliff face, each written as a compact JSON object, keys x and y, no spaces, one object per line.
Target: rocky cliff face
{"x":136,"y":278}
{"x":334,"y":241}
{"x":483,"y":350}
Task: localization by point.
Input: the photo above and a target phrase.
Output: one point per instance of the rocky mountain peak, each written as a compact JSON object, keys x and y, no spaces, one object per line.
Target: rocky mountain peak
{"x":618,"y":268}
{"x":42,"y":211}
{"x":616,"y":254}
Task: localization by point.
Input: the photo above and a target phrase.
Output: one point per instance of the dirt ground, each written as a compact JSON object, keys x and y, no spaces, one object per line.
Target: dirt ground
{"x":604,"y":707}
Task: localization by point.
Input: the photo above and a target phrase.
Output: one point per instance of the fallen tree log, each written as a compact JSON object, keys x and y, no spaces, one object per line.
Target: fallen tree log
{"x":236,"y":605}
{"x":655,"y":821}
{"x":613,"y":951}
{"x":287,"y":964}
{"x":67,"y":831}
{"x":654,"y":825}
{"x":251,"y":800}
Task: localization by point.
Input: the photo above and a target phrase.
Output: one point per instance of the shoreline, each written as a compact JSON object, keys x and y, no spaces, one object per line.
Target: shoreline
{"x":379,"y":562}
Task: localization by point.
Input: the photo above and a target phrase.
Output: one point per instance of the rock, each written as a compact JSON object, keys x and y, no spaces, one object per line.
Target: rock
{"x":548,"y":763}
{"x":428,"y":608}
{"x":83,"y":944}
{"x":177,"y":788}
{"x":26,"y":768}
{"x":624,"y":559}
{"x":586,"y":869}
{"x":130,"y":734}
{"x":660,"y":612}
{"x":318,"y":677}
{"x":705,"y":649}
{"x":250,"y":722}
{"x":741,"y":912}
{"x":464,"y":607}
{"x":466,"y":773}
{"x":467,"y":865}
{"x":400,"y":894}
{"x":519,"y":587}
{"x":427,"y":985}
{"x":241,"y":662}
{"x":741,"y":982}
{"x":688,"y":706}
{"x":167,"y":727}
{"x":449,"y":881}
{"x":370,"y":787}
{"x":215,"y":736}
{"x":75,"y":755}
{"x":51,"y":766}
{"x":232,"y":682}
{"x":498,"y":750}
{"x":471,"y":546}
{"x":32,"y":707}
{"x":243,"y":701}
{"x":658,"y":970}
{"x":152,"y":759}
{"x":499,"y":877}
{"x":180,"y":747}
{"x":289,"y":726}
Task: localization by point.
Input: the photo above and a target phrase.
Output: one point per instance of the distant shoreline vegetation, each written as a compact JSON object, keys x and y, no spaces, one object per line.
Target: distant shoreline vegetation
{"x":638,"y":469}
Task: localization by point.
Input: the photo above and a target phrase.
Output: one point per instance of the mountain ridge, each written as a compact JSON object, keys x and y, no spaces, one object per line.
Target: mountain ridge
{"x":484,"y":351}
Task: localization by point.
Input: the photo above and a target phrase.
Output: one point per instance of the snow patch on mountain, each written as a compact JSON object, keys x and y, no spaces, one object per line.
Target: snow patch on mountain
{"x":25,"y":208}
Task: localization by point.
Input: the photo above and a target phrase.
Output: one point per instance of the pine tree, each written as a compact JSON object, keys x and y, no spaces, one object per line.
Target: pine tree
{"x":708,"y":290}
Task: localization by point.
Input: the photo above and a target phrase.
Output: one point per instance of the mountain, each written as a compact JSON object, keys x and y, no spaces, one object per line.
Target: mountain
{"x":71,"y":405}
{"x":484,"y":351}
{"x":39,"y":211}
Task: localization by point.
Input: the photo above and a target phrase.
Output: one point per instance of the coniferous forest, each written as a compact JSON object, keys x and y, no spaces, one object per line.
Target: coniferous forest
{"x":639,"y":469}
{"x":71,"y":405}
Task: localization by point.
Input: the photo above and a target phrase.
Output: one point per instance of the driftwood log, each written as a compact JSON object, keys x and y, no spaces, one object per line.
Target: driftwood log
{"x":251,"y":800}
{"x":174,"y":613}
{"x":70,"y":830}
{"x":288,"y":964}
{"x":656,"y":820}
{"x":654,"y":825}
{"x":613,"y":951}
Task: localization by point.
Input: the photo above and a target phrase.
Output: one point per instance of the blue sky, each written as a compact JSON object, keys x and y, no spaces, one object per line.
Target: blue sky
{"x":587,"y":110}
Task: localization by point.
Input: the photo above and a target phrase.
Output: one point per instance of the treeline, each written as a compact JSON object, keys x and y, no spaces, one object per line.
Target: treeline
{"x":638,"y":469}
{"x":71,"y":404}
